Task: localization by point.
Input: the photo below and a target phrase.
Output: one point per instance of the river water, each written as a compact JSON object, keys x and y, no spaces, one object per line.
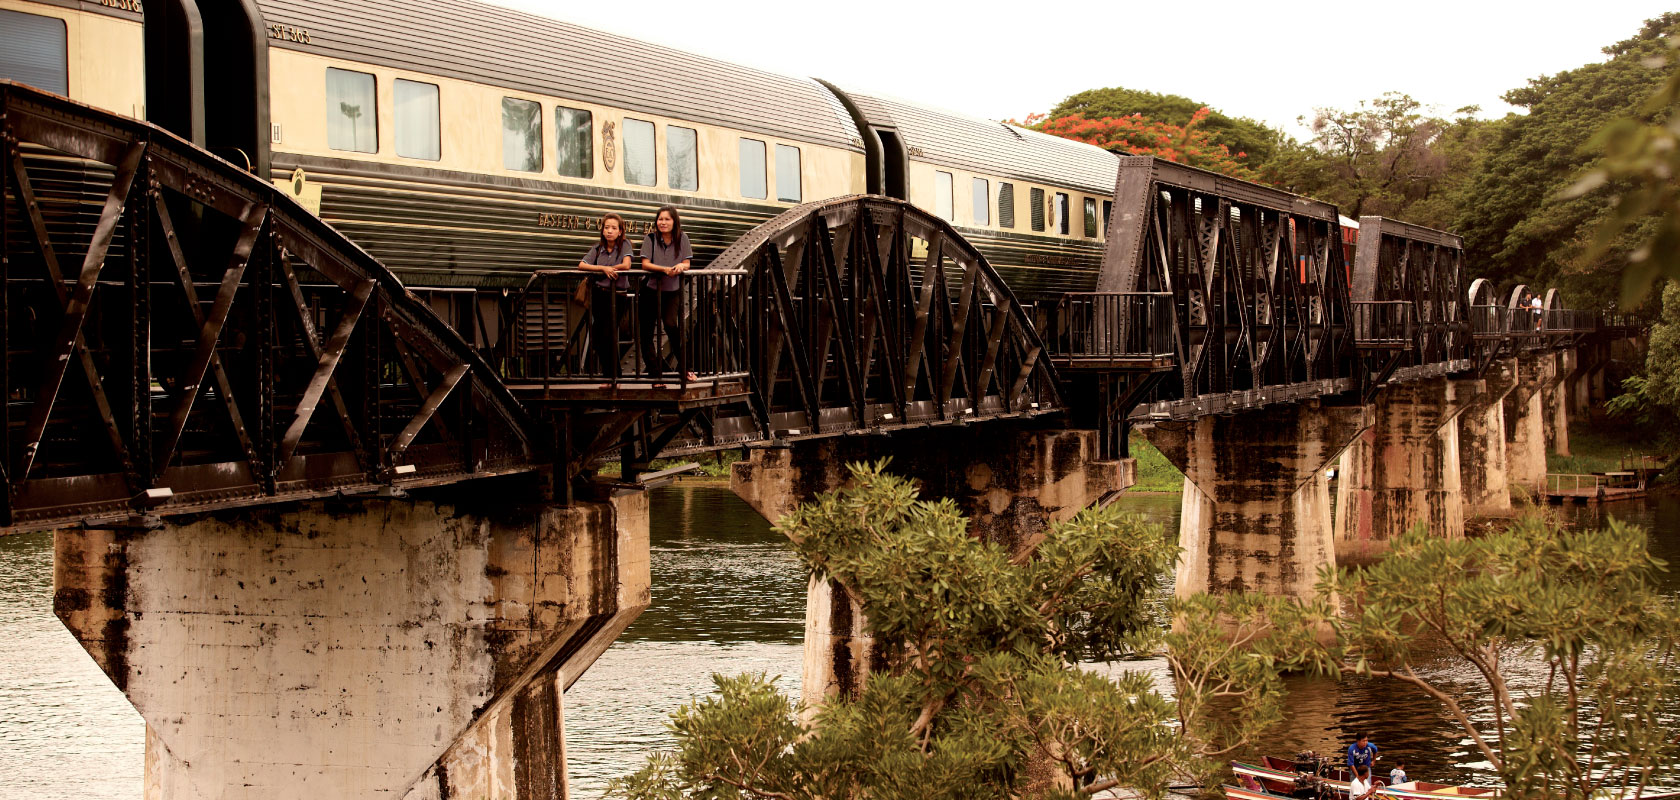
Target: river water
{"x":728,"y":597}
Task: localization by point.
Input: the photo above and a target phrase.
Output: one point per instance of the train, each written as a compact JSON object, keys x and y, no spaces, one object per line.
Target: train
{"x":466,"y":145}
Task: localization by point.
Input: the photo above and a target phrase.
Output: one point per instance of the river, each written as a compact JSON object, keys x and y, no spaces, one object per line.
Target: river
{"x":728,"y":597}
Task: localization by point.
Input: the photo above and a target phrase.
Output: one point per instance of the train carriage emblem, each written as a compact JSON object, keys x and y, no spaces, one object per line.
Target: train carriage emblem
{"x":609,"y":156}
{"x":298,"y":186}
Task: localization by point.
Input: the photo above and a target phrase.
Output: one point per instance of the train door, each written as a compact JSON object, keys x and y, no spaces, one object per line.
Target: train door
{"x":207,"y":76}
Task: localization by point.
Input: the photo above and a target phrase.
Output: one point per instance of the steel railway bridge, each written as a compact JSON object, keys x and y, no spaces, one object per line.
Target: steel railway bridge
{"x":180,"y":336}
{"x":224,"y":408}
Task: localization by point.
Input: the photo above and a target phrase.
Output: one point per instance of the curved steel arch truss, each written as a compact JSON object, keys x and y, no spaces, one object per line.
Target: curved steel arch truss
{"x":182,"y":336}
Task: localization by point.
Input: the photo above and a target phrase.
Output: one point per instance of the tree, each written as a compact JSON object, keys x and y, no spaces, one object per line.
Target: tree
{"x":1518,"y":220}
{"x":1136,"y":134}
{"x":1652,"y":400}
{"x":1254,"y":140}
{"x":980,"y":695}
{"x":1641,"y":162}
{"x":1386,"y":157}
{"x":1572,"y":642}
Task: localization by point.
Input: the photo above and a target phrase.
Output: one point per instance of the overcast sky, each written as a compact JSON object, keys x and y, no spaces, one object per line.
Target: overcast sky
{"x":1272,"y":61}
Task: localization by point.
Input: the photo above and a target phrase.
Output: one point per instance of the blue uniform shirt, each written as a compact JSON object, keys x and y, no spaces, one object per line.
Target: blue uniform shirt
{"x":1361,"y":756}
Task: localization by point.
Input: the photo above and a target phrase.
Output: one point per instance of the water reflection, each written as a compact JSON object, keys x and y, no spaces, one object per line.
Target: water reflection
{"x":65,"y":731}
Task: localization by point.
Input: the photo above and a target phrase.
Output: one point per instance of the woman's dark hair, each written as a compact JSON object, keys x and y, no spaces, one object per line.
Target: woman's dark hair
{"x":676,"y":223}
{"x":623,"y":235}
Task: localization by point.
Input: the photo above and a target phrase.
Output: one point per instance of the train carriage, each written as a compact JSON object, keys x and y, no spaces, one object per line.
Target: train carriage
{"x":466,"y":145}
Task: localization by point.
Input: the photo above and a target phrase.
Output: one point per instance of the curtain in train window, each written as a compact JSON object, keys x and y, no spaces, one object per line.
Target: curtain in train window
{"x":1062,"y":213}
{"x":1091,"y":217}
{"x":1038,"y":210}
{"x":34,"y":50}
{"x":351,"y":112}
{"x":417,"y":120}
{"x":641,"y":166}
{"x":944,"y":206}
{"x":752,"y":169}
{"x":522,"y":134}
{"x":1108,"y":211}
{"x":682,"y":158}
{"x":982,"y":202}
{"x":787,"y":174}
{"x":574,"y":142}
{"x":1006,"y":205}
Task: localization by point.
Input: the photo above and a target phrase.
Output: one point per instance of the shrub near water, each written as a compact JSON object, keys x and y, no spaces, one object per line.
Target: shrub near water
{"x":980,"y":694}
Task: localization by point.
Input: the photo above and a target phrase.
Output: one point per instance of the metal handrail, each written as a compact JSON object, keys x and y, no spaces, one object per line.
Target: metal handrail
{"x":1112,"y":325}
{"x":1379,"y":323}
{"x":553,"y":332}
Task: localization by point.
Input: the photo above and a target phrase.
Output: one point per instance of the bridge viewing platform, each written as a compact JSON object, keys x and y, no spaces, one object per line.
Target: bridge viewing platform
{"x":333,"y":533}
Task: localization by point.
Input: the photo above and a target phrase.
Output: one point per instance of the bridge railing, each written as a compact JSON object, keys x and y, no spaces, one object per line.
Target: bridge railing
{"x":1492,"y":321}
{"x":1568,"y":320}
{"x":1111,"y":329}
{"x":562,"y":316}
{"x":1382,"y":324}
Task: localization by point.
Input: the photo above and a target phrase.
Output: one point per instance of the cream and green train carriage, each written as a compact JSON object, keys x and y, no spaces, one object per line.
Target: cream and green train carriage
{"x":466,"y":145}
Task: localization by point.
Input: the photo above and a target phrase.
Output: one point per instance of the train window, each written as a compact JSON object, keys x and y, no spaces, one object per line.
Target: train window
{"x":943,"y":204}
{"x":682,"y":158}
{"x":1006,"y":205}
{"x":417,"y":120}
{"x":1090,"y":217}
{"x":574,"y":142}
{"x":1061,"y":213}
{"x":982,"y":202}
{"x":787,"y":174}
{"x":34,"y":50}
{"x":752,"y":169}
{"x":351,"y":111}
{"x":641,"y":165}
{"x":1108,"y":211}
{"x":1038,"y":210}
{"x":522,"y":134}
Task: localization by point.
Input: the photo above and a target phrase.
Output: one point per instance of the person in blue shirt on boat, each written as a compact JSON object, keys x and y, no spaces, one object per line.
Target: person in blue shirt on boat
{"x":1397,"y":775}
{"x":1361,"y":753}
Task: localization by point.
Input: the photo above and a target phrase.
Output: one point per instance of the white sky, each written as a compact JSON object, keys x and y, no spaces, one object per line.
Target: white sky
{"x":1272,"y":61}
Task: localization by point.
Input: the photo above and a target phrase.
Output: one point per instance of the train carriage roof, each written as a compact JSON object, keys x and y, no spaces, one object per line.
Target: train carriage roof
{"x":993,"y":148}
{"x":530,"y":53}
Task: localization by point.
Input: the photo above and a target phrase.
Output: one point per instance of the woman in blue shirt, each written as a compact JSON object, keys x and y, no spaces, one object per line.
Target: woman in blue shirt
{"x":611,"y":258}
{"x":666,"y":254}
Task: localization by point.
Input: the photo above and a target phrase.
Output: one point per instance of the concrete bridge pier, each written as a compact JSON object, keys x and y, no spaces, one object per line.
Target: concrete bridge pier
{"x":1405,"y":469}
{"x":1256,"y":507}
{"x":1481,"y":445}
{"x":1012,"y":484}
{"x":1525,"y":427}
{"x":398,"y":647}
{"x":1554,"y":400}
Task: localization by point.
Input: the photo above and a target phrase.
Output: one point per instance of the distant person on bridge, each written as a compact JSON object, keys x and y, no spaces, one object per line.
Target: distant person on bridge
{"x":611,"y":258}
{"x":1539,"y":312}
{"x":666,"y":253}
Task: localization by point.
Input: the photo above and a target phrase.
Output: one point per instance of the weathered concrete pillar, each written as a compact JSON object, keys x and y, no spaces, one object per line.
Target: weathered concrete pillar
{"x":1481,"y":445}
{"x":375,"y":648}
{"x":1256,"y":507}
{"x":1011,"y":483}
{"x":1554,"y":401}
{"x":1405,"y":469}
{"x":1525,"y":430}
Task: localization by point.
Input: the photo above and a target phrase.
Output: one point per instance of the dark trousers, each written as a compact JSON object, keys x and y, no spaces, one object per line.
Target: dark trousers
{"x":661,"y":308}
{"x":605,"y":316}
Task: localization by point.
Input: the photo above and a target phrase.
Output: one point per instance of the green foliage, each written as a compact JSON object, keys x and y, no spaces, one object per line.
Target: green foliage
{"x":1154,"y":472}
{"x":1571,"y":639}
{"x":1653,"y":399}
{"x":1517,"y":217}
{"x":978,"y":694}
{"x":1254,"y":140}
{"x":1387,"y":157}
